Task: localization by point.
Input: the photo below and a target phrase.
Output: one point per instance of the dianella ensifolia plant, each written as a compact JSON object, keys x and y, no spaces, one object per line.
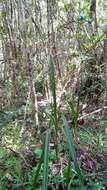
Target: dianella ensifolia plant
{"x":54,"y":102}
{"x":46,"y":158}
{"x":72,"y":152}
{"x":43,"y":161}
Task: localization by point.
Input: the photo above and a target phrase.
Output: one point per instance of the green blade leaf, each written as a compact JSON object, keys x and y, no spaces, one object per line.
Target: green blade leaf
{"x":72,"y":153}
{"x":46,"y":157}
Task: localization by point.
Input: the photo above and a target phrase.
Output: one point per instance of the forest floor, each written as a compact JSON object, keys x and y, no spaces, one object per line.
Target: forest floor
{"x":21,"y":147}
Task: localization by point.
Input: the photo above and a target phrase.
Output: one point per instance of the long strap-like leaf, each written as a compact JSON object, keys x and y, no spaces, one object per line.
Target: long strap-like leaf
{"x":71,"y":147}
{"x":46,"y":156}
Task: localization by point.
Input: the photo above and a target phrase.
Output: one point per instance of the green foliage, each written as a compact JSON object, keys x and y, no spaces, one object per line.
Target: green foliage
{"x":63,"y":33}
{"x":72,"y":153}
{"x":46,"y":155}
{"x":74,"y":115}
{"x":13,"y":172}
{"x":38,"y":153}
{"x":53,"y":91}
{"x":36,"y":173}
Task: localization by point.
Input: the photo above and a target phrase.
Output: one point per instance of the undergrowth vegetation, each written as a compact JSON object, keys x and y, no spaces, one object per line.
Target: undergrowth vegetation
{"x":53,"y":95}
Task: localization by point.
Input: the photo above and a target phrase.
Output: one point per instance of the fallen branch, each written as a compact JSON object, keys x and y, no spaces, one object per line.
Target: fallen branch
{"x":89,"y":114}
